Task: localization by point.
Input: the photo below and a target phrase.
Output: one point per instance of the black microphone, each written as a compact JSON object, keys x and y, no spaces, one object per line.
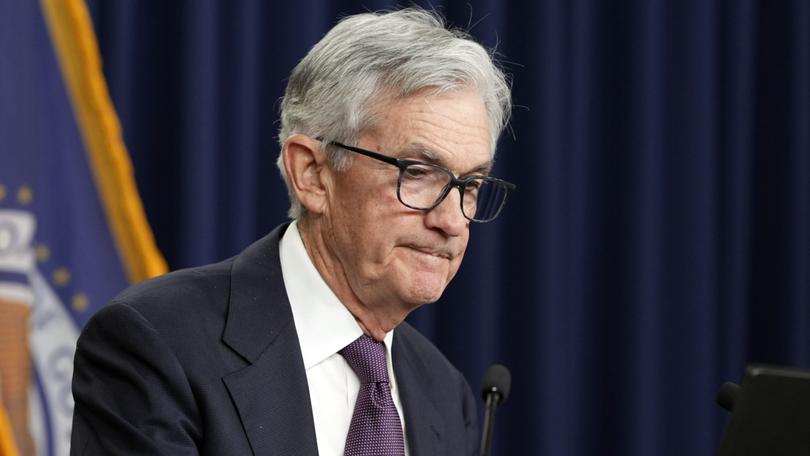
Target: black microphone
{"x":494,"y":390}
{"x":728,"y":394}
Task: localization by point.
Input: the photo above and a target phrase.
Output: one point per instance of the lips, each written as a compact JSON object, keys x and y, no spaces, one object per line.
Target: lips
{"x":439,"y":253}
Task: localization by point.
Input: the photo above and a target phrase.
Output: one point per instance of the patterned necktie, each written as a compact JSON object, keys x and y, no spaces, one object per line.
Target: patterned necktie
{"x":375,"y":429}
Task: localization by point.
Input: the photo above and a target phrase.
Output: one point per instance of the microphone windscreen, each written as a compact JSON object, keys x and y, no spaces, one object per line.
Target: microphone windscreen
{"x":496,"y":379}
{"x":728,"y":395}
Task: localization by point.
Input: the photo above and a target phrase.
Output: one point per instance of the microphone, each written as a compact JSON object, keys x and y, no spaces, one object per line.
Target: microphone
{"x":494,"y":390}
{"x":728,"y":395}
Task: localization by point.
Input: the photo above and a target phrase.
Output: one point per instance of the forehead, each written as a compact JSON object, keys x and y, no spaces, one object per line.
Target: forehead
{"x":449,"y":128}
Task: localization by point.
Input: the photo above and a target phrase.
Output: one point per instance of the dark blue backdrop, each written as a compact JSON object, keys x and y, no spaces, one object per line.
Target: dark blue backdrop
{"x":660,"y":235}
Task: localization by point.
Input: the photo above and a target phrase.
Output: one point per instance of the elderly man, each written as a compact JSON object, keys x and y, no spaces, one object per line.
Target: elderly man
{"x":297,"y":346}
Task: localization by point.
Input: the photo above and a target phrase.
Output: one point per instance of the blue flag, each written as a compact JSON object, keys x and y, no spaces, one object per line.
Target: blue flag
{"x":72,"y":228}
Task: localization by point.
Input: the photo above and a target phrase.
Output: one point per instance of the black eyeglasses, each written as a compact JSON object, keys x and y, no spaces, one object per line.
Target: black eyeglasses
{"x":423,"y":186}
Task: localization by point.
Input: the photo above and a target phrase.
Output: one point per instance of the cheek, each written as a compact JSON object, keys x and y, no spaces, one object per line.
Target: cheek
{"x":360,"y":201}
{"x":365,"y":230}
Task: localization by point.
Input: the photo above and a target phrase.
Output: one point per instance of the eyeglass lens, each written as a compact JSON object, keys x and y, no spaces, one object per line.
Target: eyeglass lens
{"x":422,"y":185}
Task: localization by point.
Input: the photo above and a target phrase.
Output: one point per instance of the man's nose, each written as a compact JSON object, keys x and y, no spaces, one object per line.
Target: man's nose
{"x":447,"y":215}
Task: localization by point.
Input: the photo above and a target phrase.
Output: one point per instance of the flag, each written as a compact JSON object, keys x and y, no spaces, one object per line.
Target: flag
{"x":7,"y":446}
{"x":72,"y":229}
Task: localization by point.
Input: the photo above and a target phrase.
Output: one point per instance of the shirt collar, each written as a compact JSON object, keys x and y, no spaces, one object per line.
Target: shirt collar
{"x":323,"y":323}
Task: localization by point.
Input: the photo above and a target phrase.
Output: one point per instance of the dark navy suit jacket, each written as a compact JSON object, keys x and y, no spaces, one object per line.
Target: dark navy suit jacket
{"x":206,"y":361}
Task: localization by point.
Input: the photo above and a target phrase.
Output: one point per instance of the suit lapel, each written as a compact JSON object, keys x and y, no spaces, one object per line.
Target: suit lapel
{"x":272,"y":398}
{"x":271,"y":394}
{"x":423,"y":424}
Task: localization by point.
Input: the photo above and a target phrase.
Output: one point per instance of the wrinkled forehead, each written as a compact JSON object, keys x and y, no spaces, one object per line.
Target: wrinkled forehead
{"x":448,"y":128}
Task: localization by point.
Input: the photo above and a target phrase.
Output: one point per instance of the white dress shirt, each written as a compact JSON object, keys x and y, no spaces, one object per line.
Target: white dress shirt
{"x":325,"y":326}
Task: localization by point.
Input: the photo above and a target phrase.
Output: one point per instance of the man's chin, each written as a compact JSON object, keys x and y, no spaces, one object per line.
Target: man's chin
{"x":423,"y":282}
{"x":423,"y":293}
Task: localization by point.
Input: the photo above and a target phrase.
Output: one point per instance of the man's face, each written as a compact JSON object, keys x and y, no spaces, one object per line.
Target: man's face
{"x":391,"y":254}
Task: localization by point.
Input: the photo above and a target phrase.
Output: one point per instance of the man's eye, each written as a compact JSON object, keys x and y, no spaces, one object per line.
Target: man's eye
{"x":416,"y":172}
{"x":473,"y":186}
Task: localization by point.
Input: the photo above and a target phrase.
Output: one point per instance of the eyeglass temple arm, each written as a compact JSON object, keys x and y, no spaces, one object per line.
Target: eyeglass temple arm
{"x":368,"y":153}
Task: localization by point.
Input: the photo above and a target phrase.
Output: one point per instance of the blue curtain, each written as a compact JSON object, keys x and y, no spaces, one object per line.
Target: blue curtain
{"x":659,"y":239}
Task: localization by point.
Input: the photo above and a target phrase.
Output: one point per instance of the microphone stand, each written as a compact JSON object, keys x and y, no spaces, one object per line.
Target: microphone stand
{"x":493,"y":399}
{"x":494,"y":390}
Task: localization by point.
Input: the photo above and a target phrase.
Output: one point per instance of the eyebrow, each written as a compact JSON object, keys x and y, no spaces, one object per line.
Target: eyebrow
{"x":425,"y":153}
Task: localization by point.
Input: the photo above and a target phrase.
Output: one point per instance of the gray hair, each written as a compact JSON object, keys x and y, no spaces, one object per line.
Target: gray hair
{"x":331,"y":93}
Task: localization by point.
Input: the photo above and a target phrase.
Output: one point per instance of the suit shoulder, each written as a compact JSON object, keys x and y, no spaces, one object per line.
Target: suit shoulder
{"x":197,"y":282}
{"x":172,"y":298}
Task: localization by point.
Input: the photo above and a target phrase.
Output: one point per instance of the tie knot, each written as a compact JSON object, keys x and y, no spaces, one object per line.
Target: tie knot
{"x":366,"y":357}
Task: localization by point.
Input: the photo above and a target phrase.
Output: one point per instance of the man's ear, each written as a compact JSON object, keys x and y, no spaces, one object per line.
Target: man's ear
{"x":305,"y":163}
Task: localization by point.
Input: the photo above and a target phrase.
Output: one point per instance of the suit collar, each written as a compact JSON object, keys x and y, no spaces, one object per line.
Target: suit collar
{"x":271,"y":393}
{"x":424,"y":424}
{"x":258,"y":309}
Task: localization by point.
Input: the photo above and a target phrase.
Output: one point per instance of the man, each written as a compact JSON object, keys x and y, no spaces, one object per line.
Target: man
{"x":297,"y":346}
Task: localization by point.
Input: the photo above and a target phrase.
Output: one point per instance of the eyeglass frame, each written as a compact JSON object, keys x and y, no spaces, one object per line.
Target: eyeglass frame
{"x":460,"y":184}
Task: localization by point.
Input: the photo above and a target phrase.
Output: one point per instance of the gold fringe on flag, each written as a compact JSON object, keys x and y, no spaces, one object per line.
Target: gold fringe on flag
{"x":77,"y":51}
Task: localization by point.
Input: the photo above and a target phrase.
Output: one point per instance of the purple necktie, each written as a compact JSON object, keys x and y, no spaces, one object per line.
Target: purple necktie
{"x":375,"y":429}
